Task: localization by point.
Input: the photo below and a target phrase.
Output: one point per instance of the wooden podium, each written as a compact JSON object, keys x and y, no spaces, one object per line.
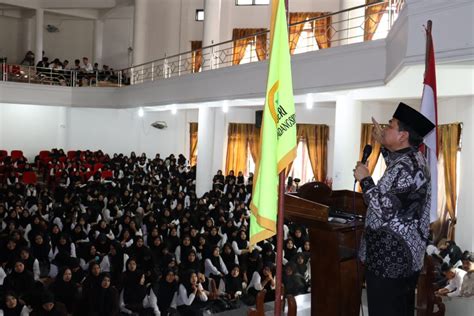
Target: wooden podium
{"x":336,"y":282}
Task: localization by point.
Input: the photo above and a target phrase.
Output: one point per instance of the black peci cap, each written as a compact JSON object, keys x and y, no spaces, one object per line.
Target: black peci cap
{"x":414,"y":119}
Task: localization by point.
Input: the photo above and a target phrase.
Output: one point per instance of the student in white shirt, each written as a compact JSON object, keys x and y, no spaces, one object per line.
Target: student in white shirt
{"x":87,"y":65}
{"x":455,"y":277}
{"x":11,"y":306}
{"x":191,"y":295}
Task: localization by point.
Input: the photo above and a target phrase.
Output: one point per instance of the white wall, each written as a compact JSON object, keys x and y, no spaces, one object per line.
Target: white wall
{"x":462,"y":110}
{"x":30,"y":128}
{"x":74,"y":40}
{"x":118,"y":37}
{"x":10,"y":43}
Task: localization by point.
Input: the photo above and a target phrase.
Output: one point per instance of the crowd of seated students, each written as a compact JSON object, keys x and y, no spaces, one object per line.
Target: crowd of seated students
{"x":455,"y":269}
{"x":61,"y":71}
{"x":101,"y":235}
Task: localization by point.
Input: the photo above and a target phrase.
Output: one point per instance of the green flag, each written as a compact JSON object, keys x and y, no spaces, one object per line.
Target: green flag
{"x":277,"y":134}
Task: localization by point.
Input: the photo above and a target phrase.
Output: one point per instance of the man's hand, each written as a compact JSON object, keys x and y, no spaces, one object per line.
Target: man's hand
{"x":361,"y":171}
{"x":377,"y":132}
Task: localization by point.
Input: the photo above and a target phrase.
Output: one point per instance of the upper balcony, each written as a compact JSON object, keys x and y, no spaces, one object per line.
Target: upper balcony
{"x":360,"y":49}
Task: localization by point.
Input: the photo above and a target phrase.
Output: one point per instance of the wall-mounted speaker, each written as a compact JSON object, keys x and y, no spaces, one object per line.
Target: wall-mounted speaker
{"x":258,"y":118}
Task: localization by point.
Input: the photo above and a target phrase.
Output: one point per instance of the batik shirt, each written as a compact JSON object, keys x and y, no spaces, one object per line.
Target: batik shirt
{"x":397,"y":221}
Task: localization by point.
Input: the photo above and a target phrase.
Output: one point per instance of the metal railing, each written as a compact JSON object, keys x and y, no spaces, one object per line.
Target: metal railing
{"x":56,"y":77}
{"x":330,"y":30}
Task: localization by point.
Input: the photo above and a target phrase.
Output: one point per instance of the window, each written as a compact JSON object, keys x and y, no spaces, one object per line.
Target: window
{"x":199,"y":15}
{"x":306,"y":41}
{"x":250,"y":162}
{"x":252,"y":2}
{"x":301,"y":168}
{"x":390,"y":15}
{"x":250,"y":54}
{"x":379,"y":169}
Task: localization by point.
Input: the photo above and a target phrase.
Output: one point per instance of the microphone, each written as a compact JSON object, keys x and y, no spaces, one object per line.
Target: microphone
{"x":365,"y":155}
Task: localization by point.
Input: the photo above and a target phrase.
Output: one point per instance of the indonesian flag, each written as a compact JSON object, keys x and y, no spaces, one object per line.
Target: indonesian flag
{"x":429,"y":108}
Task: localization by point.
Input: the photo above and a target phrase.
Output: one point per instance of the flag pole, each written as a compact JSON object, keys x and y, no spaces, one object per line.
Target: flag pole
{"x":279,"y":255}
{"x":428,"y":43}
{"x":281,"y":204}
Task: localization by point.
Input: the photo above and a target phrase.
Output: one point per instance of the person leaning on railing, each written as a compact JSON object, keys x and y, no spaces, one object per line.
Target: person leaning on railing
{"x":42,"y":66}
{"x":29,"y":59}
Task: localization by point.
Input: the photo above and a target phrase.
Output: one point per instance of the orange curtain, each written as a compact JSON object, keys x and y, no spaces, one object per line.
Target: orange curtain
{"x":242,"y":38}
{"x":261,"y":45}
{"x":254,"y":141}
{"x":237,"y":147}
{"x":196,"y":55}
{"x":295,"y":30}
{"x":373,"y":15}
{"x":316,"y":138}
{"x":322,"y":29}
{"x":448,"y":145}
{"x":193,"y":138}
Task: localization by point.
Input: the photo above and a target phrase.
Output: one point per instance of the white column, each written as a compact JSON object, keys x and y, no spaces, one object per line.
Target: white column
{"x":220,"y":133}
{"x":204,"y":172}
{"x":28,"y":28}
{"x":140,"y":31}
{"x":98,"y":41}
{"x":346,"y":141}
{"x":39,"y":35}
{"x":465,"y":215}
{"x":64,"y":115}
{"x":351,"y":23}
{"x":211,"y":30}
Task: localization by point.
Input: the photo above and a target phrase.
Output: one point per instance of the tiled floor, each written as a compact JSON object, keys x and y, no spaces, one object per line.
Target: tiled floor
{"x":303,"y":303}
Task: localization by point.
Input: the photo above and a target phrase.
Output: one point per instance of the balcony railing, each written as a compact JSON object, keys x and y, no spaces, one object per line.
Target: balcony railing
{"x":357,"y":24}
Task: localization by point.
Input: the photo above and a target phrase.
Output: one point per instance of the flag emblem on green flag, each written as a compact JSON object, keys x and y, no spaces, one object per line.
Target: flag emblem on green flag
{"x":277,"y":134}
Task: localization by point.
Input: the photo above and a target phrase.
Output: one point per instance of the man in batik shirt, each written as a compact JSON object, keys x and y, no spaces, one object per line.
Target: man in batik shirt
{"x":398,"y":214}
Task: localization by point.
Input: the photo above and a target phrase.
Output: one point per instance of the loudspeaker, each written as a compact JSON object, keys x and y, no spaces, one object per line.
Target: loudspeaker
{"x":258,"y":118}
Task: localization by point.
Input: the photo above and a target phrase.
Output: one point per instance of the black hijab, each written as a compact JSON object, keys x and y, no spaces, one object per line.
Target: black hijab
{"x":133,"y":291}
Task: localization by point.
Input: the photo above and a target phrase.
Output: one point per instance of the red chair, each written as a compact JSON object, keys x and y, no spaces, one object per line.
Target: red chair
{"x":71,"y":154}
{"x":107,"y":174}
{"x":62,"y":159}
{"x":3,"y":153}
{"x":89,"y":174}
{"x":16,"y":154}
{"x":29,"y":177}
{"x":44,"y":154}
{"x":98,"y":166}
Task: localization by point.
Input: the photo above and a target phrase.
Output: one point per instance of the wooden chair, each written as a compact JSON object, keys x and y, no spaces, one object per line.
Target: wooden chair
{"x":426,"y":300}
{"x":291,"y":305}
{"x":259,"y":309}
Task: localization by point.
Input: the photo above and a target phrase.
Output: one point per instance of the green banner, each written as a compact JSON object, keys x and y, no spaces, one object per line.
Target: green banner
{"x":277,"y":134}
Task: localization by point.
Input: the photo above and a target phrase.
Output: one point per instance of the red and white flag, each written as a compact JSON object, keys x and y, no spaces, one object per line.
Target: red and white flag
{"x":429,"y":108}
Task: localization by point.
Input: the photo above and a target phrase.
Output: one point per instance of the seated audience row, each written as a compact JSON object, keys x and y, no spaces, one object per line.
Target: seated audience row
{"x":138,"y":241}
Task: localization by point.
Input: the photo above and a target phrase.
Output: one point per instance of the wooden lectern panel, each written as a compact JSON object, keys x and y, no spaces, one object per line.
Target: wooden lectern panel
{"x":336,"y":276}
{"x":299,"y":209}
